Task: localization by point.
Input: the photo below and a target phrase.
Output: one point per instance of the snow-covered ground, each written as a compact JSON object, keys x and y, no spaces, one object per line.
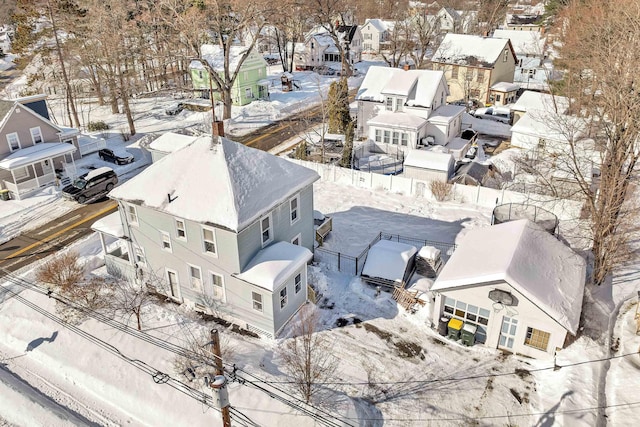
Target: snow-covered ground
{"x":393,"y":368}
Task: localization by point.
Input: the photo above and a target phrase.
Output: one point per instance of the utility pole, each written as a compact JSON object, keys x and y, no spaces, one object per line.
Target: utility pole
{"x":219,"y":383}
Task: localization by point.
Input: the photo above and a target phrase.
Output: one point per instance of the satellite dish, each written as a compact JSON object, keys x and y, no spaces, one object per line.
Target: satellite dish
{"x":503,"y":297}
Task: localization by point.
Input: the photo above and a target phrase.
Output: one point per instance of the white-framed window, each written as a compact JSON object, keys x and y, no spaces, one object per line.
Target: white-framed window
{"x":506,"y":55}
{"x":195,"y":277}
{"x":404,"y":139}
{"x":297,"y":240}
{"x":469,"y":313}
{"x":399,"y":104}
{"x":217,"y":285}
{"x":209,"y":241}
{"x":396,"y":138}
{"x":283,"y":298}
{"x":173,"y":283}
{"x":298,"y":282}
{"x":165,"y":238}
{"x":13,"y":141}
{"x":256,"y":299}
{"x":248,"y":93}
{"x":378,"y":135}
{"x":36,"y":135}
{"x":388,"y":104}
{"x":265,"y":230}
{"x":21,"y":173}
{"x":294,"y":209}
{"x":138,"y":255}
{"x":387,"y":136}
{"x":132,"y":214}
{"x":181,"y":229}
{"x":537,"y":339}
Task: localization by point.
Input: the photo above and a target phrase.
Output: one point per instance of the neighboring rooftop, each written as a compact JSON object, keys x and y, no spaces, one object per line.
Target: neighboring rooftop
{"x":465,"y":49}
{"x":538,"y":101}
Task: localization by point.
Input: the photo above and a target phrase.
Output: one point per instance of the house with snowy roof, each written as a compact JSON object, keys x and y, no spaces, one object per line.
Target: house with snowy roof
{"x":319,"y":48}
{"x":34,"y":147}
{"x":523,"y":296}
{"x":249,"y":83}
{"x":531,"y":101}
{"x":473,"y":64}
{"x":375,"y":35}
{"x":406,"y":108}
{"x":229,"y":230}
{"x":532,"y":68}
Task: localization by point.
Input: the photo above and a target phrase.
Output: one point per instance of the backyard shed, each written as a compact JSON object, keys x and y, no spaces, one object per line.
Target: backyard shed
{"x":428,"y":165}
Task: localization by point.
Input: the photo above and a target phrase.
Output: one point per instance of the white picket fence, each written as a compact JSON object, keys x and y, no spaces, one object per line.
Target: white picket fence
{"x":460,"y":194}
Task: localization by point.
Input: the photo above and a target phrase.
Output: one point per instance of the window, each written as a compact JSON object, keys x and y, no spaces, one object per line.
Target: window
{"x":399,"y":104}
{"x":166,"y":241}
{"x":396,"y":137}
{"x":257,"y":301}
{"x":498,"y":97}
{"x":296,"y":240}
{"x":209,"y":241}
{"x":469,"y":313}
{"x":36,"y":135}
{"x":217,"y":285}
{"x":293,"y":209}
{"x":14,"y":141}
{"x":378,"y":135}
{"x":404,"y":139}
{"x":248,"y":93}
{"x":506,"y":55}
{"x":480,"y":77}
{"x":468,"y":75}
{"x":138,"y":255}
{"x":454,"y":73}
{"x":181,"y":231}
{"x":388,"y":105}
{"x":200,"y":74}
{"x":298,"y":282}
{"x":283,"y":298}
{"x":265,"y":229}
{"x":21,"y":173}
{"x":368,"y":36}
{"x":195,"y":278}
{"x":387,"y":136}
{"x":132,"y":214}
{"x":537,"y":339}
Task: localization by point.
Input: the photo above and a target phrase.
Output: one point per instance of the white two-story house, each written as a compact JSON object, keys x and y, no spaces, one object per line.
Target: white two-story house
{"x":219,"y":226}
{"x":406,"y":108}
{"x":532,"y":67}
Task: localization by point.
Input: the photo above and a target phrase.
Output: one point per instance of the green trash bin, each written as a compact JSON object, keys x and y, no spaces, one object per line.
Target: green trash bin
{"x":5,"y":195}
{"x":468,"y":334}
{"x":454,"y":326}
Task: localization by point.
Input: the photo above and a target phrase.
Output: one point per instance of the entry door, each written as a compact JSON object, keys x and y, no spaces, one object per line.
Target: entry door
{"x":508,"y":332}
{"x":172,"y":278}
{"x":47,"y":167}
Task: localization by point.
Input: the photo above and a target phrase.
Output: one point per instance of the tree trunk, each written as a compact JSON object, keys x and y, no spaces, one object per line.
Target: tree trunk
{"x":124,"y":94}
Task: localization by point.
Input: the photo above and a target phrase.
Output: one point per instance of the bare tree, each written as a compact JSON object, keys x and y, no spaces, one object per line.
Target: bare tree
{"x":129,"y":298}
{"x":63,"y":271}
{"x":307,"y":356}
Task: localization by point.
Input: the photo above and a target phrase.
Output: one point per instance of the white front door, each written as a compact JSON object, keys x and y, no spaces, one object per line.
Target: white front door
{"x":508,"y":332}
{"x":47,"y":166}
{"x":172,"y":278}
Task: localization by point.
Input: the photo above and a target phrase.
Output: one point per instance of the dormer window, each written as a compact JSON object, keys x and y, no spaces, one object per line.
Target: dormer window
{"x":389,"y":104}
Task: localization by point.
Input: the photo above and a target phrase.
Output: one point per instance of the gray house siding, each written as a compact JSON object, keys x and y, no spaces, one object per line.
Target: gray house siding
{"x":294,"y":300}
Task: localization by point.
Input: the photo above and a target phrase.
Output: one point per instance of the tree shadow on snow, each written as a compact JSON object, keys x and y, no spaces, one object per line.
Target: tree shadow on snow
{"x":38,"y":341}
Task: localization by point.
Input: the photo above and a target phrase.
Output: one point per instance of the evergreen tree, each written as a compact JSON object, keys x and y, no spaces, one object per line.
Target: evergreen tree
{"x":347,"y":151}
{"x":338,"y":106}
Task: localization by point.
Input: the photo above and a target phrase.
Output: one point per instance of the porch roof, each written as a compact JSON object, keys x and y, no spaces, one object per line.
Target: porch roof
{"x":30,"y":155}
{"x":110,"y":225}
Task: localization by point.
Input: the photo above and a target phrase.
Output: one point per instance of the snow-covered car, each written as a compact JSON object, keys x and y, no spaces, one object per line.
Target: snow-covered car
{"x":493,"y":113}
{"x":323,"y":70}
{"x":174,"y":109}
{"x":117,"y":157}
{"x":472,"y":152}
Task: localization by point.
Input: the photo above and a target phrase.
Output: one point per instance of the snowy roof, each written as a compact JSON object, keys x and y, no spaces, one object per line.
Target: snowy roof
{"x":274,"y":264}
{"x":466,"y":49}
{"x":36,"y":153}
{"x":419,"y":86}
{"x":378,"y":24}
{"x":225,"y":184}
{"x":427,"y":159}
{"x":446,"y":113}
{"x":110,"y":225}
{"x":398,"y":119}
{"x":523,"y":42}
{"x":170,"y":142}
{"x":214,"y":55}
{"x":551,"y":126}
{"x":388,"y":260}
{"x":529,"y":259}
{"x":531,"y":100}
{"x":505,"y":87}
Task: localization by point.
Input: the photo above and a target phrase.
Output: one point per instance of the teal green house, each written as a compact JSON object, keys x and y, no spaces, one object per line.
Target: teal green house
{"x":251,"y":82}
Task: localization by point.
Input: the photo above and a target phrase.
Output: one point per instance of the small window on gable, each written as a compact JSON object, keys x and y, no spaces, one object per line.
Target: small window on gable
{"x":388,"y":104}
{"x":36,"y":135}
{"x":181,"y":231}
{"x":14,"y":141}
{"x":265,"y":230}
{"x":166,"y":241}
{"x":506,"y":55}
{"x":132,"y":214}
{"x":209,"y":241}
{"x":293,"y":209}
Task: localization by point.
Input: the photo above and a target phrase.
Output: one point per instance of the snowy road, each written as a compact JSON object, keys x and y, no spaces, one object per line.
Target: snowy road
{"x":29,"y":399}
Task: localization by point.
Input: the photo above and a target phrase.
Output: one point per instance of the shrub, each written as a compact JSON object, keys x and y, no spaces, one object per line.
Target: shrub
{"x":441,"y":190}
{"x":95,"y":126}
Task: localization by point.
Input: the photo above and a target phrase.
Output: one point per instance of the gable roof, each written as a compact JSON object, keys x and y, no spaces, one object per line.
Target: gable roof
{"x":466,"y":49}
{"x":532,"y":261}
{"x":226,"y":184}
{"x":348,"y":31}
{"x":551,"y":126}
{"x":214,"y":55}
{"x":538,"y":101}
{"x":420,"y":86}
{"x":378,"y":24}
{"x":7,"y":108}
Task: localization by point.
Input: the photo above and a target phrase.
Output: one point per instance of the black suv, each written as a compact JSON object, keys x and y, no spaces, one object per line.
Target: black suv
{"x":92,"y":184}
{"x":118,"y":158}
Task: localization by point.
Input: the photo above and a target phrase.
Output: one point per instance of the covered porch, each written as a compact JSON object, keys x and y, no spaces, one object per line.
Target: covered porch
{"x":117,"y":247}
{"x":29,"y":169}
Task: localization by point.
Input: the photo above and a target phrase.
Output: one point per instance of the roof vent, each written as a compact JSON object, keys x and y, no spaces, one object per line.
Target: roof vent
{"x":171,"y":199}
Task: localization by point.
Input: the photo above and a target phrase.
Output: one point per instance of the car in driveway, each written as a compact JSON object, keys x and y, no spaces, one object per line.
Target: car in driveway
{"x":93,"y":184}
{"x":493,"y":113}
{"x":174,"y":109}
{"x":117,"y":157}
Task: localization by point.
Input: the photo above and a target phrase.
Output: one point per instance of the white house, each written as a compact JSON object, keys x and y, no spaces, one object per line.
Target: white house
{"x":538,"y":101}
{"x":406,"y":108}
{"x":375,"y":34}
{"x":532,"y":68}
{"x":319,"y":48}
{"x":518,"y":284}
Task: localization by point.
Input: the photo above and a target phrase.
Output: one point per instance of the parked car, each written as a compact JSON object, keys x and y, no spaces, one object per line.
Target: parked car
{"x":323,"y":70}
{"x":472,"y":152}
{"x":174,"y":109}
{"x":493,"y":113}
{"x":119,"y":158}
{"x":93,"y":184}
